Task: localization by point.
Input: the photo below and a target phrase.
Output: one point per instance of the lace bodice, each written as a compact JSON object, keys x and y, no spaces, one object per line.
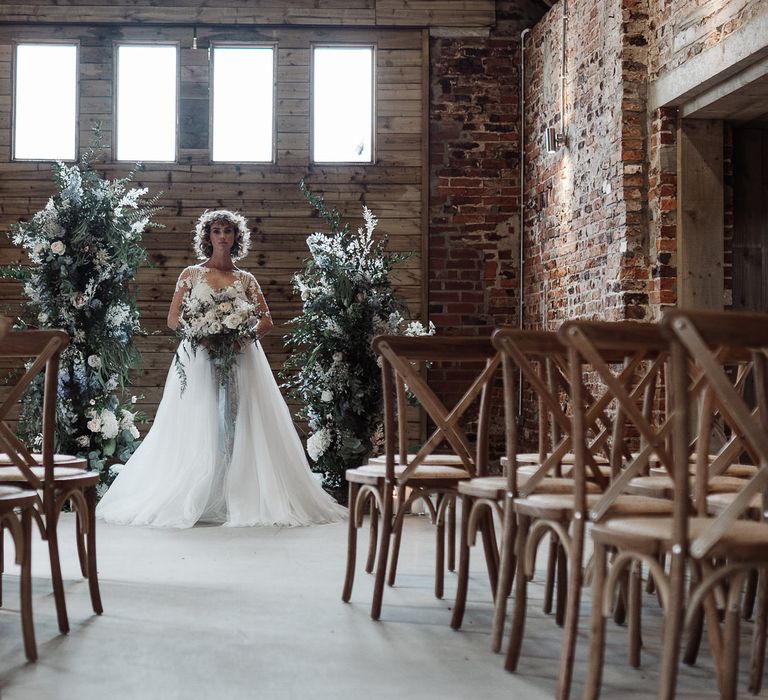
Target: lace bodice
{"x":243,"y":282}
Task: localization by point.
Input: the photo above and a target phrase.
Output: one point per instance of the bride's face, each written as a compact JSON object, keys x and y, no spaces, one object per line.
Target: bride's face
{"x":222,"y":236}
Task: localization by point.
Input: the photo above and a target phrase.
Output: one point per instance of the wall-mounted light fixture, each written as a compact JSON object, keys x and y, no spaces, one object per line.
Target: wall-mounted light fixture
{"x":553,"y":140}
{"x":194,"y":38}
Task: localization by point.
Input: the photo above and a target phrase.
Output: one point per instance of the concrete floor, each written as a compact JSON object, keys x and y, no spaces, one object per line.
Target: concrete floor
{"x":222,"y":613}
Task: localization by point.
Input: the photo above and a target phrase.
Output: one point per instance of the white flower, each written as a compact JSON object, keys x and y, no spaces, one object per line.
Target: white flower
{"x":233,"y":321}
{"x":83,"y":441}
{"x":338,"y":356}
{"x":58,"y":248}
{"x":326,"y":396}
{"x":134,"y":431}
{"x":78,"y":300}
{"x":109,"y":425}
{"x":42,"y":317}
{"x":215,"y":327}
{"x":126,"y":421}
{"x":318,"y":443}
{"x":134,"y":399}
{"x":304,"y":294}
{"x":94,"y":425}
{"x":94,"y":361}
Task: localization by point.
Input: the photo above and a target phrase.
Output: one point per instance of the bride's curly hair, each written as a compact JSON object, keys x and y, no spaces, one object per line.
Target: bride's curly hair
{"x":202,"y":241}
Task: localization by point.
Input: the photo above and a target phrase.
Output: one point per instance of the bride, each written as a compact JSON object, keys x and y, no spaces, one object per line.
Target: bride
{"x":219,"y":454}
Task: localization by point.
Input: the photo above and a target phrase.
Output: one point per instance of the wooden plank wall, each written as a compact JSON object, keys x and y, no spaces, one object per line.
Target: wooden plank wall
{"x":267,"y":194}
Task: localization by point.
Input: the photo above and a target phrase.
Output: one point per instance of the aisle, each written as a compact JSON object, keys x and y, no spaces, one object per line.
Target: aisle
{"x":224,"y":613}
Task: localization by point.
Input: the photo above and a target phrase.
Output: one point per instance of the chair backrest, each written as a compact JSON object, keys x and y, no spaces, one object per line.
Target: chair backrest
{"x":628,"y":359}
{"x":43,"y":348}
{"x":713,"y":342}
{"x":401,"y":357}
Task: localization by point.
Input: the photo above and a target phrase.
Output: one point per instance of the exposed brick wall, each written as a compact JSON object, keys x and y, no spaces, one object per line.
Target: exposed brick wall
{"x":474,"y":187}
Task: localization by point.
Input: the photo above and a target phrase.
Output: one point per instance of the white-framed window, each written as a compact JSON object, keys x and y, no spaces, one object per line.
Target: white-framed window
{"x":146,"y":101}
{"x":342,"y":90}
{"x":45,"y":101}
{"x":243,"y":104}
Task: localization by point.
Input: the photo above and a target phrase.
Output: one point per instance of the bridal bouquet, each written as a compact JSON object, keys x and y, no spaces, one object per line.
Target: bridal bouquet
{"x":220,"y":321}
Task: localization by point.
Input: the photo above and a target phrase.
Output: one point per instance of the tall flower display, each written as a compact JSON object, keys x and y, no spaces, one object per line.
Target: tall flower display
{"x":332,"y":370}
{"x":84,"y":247}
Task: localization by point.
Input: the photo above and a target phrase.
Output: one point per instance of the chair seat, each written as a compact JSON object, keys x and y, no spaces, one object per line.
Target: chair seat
{"x":533,"y":458}
{"x":14,"y":497}
{"x":718,"y":502}
{"x":740,"y":471}
{"x":447,"y":460}
{"x":663,"y":487}
{"x":432,"y":472}
{"x":494,"y":487}
{"x":14,"y":475}
{"x":744,"y":540}
{"x":61,"y":460}
{"x":554,"y":506}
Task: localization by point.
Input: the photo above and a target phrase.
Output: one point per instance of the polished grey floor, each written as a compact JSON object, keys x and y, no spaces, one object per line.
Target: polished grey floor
{"x":221,"y":613}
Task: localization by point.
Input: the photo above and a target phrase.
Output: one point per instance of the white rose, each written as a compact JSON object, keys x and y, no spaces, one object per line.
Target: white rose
{"x":94,"y":425}
{"x":58,"y":248}
{"x":134,"y":399}
{"x":94,"y":361}
{"x":134,"y":432}
{"x":304,"y":295}
{"x":233,"y":321}
{"x":109,"y":424}
{"x":225,"y":307}
{"x":326,"y":396}
{"x":338,"y":356}
{"x":215,"y":327}
{"x":42,"y":317}
{"x":84,"y":440}
{"x":127,"y":419}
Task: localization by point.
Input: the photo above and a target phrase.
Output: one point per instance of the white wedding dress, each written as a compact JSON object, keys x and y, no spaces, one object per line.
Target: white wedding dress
{"x":231,"y":457}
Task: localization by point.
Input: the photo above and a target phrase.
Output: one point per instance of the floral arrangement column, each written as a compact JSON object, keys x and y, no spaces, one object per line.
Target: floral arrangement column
{"x":332,"y":371}
{"x":84,"y":248}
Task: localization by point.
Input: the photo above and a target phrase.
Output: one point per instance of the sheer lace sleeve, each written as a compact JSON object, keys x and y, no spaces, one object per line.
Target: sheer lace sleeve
{"x":262,"y":322}
{"x":183,"y":285}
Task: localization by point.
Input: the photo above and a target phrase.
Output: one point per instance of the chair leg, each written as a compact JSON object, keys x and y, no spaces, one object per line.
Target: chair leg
{"x":399,"y":523}
{"x":549,"y":582}
{"x":597,"y":638}
{"x":452,"y":534}
{"x":440,"y":552}
{"x":2,"y":560}
{"x":463,"y":575}
{"x":521,"y":594}
{"x":383,"y":554}
{"x":562,"y":584}
{"x":25,"y":587}
{"x":573,"y":603}
{"x":506,"y":575}
{"x":491,"y":549}
{"x":634,"y":612}
{"x":80,"y":538}
{"x":349,"y":577}
{"x":58,"y":583}
{"x":373,"y":534}
{"x":673,"y":625}
{"x":93,"y":572}
{"x":748,"y":607}
{"x":758,"y":638}
{"x":730,"y":659}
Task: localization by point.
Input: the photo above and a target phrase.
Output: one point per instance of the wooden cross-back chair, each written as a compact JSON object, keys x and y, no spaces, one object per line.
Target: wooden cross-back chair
{"x":715,"y":554}
{"x":426,"y":473}
{"x":53,"y":485}
{"x":16,"y":508}
{"x":561,"y":515}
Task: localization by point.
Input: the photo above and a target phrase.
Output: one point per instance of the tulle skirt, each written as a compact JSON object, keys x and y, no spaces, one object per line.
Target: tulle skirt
{"x":228,"y":456}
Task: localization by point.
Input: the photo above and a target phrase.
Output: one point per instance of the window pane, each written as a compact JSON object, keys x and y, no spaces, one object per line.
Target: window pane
{"x":342,"y":92}
{"x":45,"y":118}
{"x":243,"y":103}
{"x":146,"y":103}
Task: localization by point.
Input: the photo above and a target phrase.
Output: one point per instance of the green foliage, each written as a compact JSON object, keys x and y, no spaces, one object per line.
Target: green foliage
{"x":332,"y":370}
{"x":84,"y":248}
